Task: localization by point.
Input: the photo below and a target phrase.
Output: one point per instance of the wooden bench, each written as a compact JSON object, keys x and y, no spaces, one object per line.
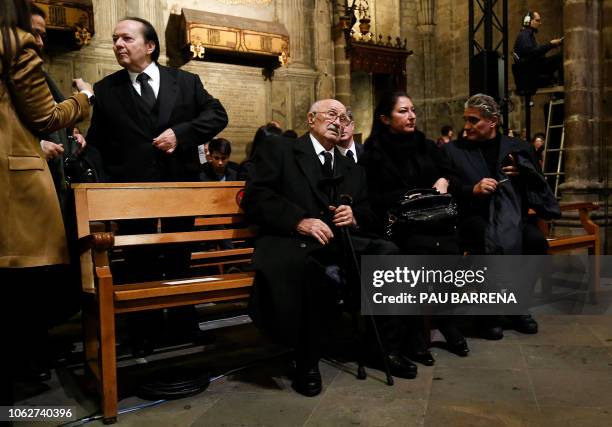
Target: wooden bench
{"x":589,"y":240}
{"x":212,"y":203}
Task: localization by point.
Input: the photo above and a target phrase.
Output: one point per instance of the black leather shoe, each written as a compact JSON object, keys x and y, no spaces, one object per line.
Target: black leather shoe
{"x":525,"y":324}
{"x":492,"y":333}
{"x":308,"y":383}
{"x":399,"y":365}
{"x":460,"y":348}
{"x":423,"y":357}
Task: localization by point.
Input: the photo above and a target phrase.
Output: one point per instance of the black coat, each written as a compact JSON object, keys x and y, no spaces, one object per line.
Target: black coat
{"x":390,"y":175}
{"x":506,"y":210}
{"x":125,"y":144}
{"x":527,"y":48}
{"x":285,"y":189}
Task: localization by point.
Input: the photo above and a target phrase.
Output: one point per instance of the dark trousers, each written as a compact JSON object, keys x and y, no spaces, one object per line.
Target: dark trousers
{"x":320,"y":293}
{"x":472,"y":235}
{"x":24,"y":320}
{"x":410,"y":334}
{"x":151,"y":263}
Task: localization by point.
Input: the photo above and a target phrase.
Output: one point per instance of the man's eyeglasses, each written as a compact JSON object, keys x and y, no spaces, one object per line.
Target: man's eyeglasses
{"x":332,"y":115}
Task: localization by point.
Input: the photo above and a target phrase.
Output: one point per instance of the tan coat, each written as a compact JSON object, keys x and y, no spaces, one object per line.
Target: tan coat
{"x":31,"y":228}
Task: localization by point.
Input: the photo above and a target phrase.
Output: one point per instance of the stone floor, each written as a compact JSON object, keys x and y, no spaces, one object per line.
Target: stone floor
{"x":560,"y":377}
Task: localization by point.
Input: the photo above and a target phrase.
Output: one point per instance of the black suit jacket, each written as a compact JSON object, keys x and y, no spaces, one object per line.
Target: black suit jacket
{"x":126,"y":145}
{"x":359,"y":149}
{"x":285,"y":188}
{"x":207,"y":172}
{"x":505,"y":210}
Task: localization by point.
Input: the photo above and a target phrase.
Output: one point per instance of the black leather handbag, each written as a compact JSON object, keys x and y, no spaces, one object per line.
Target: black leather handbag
{"x":421,"y":211}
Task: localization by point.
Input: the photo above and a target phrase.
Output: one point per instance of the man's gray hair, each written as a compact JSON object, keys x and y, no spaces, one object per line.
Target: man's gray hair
{"x":349,"y":113}
{"x":485,"y":104}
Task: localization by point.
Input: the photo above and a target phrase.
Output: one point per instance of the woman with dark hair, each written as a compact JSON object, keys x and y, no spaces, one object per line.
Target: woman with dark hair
{"x":398,"y":158}
{"x":245,"y":170}
{"x":32,"y":234}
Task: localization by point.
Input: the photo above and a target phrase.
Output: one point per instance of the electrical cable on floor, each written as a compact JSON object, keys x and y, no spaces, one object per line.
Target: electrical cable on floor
{"x":93,"y":417}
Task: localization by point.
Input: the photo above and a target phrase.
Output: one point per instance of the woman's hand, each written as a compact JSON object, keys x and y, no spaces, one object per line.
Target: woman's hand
{"x":441,"y":185}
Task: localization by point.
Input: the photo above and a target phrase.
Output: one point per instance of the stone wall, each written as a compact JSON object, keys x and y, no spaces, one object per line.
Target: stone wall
{"x":251,"y":101}
{"x":437,"y":72}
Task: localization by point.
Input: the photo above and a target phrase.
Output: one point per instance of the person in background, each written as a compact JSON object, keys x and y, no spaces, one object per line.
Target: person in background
{"x":290,"y":133}
{"x":531,"y":56}
{"x":219,"y":167}
{"x":347,"y":145}
{"x":32,"y":235}
{"x":446,"y":135}
{"x":246,"y":168}
{"x":538,"y":143}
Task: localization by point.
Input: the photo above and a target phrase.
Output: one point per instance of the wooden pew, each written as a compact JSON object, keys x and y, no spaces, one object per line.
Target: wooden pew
{"x":589,"y":240}
{"x":217,"y":203}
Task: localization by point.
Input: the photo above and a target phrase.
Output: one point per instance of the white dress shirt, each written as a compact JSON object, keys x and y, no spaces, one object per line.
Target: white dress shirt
{"x":318,"y":148}
{"x":153,"y":72}
{"x":351,"y":148}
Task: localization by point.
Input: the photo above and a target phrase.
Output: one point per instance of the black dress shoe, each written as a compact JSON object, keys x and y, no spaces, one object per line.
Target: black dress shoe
{"x":400,"y":366}
{"x":460,"y":348}
{"x":423,"y":357}
{"x":525,"y":324}
{"x":492,"y":333}
{"x":308,"y":383}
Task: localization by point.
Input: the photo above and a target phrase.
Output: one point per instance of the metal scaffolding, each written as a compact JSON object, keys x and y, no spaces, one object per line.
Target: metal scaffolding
{"x":488,"y":64}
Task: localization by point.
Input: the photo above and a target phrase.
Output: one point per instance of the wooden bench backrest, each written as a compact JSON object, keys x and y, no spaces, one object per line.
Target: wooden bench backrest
{"x":212,"y":202}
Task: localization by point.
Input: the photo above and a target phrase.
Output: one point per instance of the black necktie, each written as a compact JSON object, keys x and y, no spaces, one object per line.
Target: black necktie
{"x":327,"y":166}
{"x":146,"y":91}
{"x":350,"y":155}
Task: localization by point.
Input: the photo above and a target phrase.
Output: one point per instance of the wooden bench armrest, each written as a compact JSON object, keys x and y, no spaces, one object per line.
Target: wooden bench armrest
{"x":583,"y":209}
{"x":99,"y":241}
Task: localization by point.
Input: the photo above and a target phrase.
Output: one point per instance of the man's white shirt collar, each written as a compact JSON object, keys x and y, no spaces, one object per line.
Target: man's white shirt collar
{"x":152,"y":71}
{"x":351,"y":148}
{"x":318,"y":148}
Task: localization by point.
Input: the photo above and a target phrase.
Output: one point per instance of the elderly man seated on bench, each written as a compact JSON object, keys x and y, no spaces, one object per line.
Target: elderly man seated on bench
{"x":299,"y":197}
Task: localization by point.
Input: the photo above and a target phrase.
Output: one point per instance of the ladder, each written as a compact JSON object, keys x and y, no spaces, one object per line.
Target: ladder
{"x":554,"y":145}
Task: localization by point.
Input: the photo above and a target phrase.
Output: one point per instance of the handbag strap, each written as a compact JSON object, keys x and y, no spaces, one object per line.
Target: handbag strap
{"x":420,"y":191}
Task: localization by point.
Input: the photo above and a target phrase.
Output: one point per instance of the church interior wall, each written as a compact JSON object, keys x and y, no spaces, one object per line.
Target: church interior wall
{"x":437,"y":72}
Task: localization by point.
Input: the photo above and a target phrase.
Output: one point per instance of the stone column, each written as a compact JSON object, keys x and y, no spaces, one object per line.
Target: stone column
{"x":587,"y":113}
{"x":606,"y":113}
{"x":323,"y":50}
{"x":152,"y":11}
{"x":426,"y":27}
{"x":342,"y":63}
{"x":297,"y":18}
{"x":106,"y":15}
{"x":583,"y":100}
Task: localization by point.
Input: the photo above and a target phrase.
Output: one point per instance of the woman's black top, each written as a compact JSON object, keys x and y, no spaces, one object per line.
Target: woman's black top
{"x":397,"y":163}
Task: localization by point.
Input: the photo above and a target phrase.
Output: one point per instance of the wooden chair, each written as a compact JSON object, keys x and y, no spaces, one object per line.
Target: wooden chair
{"x":103,"y":299}
{"x":589,"y":240}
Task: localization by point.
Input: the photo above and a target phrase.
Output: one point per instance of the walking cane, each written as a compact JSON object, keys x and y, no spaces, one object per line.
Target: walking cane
{"x":350,"y":263}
